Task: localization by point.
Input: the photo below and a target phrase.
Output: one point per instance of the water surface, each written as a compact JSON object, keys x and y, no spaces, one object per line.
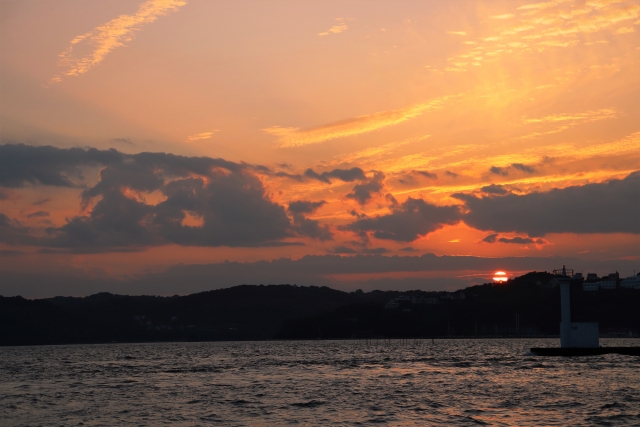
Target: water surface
{"x":351,"y":383}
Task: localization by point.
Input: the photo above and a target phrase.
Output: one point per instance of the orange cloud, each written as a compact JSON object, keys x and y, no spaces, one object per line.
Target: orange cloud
{"x":336,"y":29}
{"x":554,"y":24}
{"x":201,"y":136}
{"x":296,"y":137}
{"x":566,"y":121}
{"x":107,"y":37}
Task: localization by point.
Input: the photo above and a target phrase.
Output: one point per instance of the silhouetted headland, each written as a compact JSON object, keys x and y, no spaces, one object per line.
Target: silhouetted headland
{"x":526,"y":306}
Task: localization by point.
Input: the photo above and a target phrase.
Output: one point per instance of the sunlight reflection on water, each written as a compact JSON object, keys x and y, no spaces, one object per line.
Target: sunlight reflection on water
{"x":402,"y":383}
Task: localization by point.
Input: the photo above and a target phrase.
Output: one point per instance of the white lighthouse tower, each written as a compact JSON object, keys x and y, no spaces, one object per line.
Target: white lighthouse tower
{"x":573,"y":334}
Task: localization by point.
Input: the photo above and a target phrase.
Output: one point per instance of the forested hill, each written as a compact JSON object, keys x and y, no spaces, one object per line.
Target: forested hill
{"x":519,"y":307}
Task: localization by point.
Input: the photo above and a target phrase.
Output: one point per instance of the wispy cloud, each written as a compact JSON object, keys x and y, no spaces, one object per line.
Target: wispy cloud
{"x":377,"y":152}
{"x":107,"y":37}
{"x":503,"y":16}
{"x":457,"y":33}
{"x":203,"y":135}
{"x":548,"y":25}
{"x":565,"y":121}
{"x":586,"y":116}
{"x":336,"y":29}
{"x":296,"y":137}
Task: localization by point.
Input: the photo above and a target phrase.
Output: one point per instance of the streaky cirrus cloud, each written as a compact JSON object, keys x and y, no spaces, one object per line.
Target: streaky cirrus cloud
{"x":111,"y":35}
{"x":296,"y":137}
{"x":536,"y":27}
{"x":564,"y":121}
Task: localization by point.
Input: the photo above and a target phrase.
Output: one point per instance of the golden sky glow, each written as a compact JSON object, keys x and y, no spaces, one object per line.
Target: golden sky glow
{"x":359,"y":110}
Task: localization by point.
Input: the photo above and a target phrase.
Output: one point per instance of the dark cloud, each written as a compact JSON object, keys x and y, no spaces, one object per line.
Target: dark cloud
{"x":10,"y":253}
{"x":522,"y":240}
{"x":227,"y":198}
{"x":523,"y":168}
{"x":13,"y":232}
{"x":493,"y":238}
{"x":409,"y":249}
{"x":21,"y":164}
{"x":427,"y":174}
{"x":344,"y":250}
{"x":303,"y":206}
{"x":389,"y":198}
{"x":608,"y":207}
{"x":375,"y":250}
{"x":355,"y":213}
{"x":451,"y":174}
{"x":311,"y":228}
{"x":41,"y":202}
{"x":412,"y":178}
{"x":499,"y":171}
{"x":296,"y":177}
{"x":348,"y":250}
{"x":408,"y":221}
{"x":504,"y":171}
{"x":4,"y":195}
{"x":38,"y":214}
{"x":494,"y":189}
{"x":126,"y":141}
{"x":362,"y":193}
{"x":305,"y":226}
{"x":347,"y":175}
{"x":48,"y":278}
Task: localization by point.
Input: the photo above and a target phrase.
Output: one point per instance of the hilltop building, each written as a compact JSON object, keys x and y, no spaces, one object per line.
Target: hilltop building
{"x":631,"y":282}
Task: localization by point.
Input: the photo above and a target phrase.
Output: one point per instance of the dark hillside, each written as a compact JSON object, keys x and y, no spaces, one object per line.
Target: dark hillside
{"x":238,"y":313}
{"x":520,"y":307}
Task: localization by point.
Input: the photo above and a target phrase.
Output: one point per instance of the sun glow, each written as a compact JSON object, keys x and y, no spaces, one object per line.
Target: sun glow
{"x":500,"y":277}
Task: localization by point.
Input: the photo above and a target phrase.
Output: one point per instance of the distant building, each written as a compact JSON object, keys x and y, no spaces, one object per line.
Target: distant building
{"x":608,"y":284}
{"x":590,"y":286}
{"x":423,"y":300}
{"x":592,"y":283}
{"x":610,"y":281}
{"x":631,"y":282}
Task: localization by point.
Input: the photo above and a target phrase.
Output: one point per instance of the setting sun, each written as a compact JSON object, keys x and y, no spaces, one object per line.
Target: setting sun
{"x":500,"y":276}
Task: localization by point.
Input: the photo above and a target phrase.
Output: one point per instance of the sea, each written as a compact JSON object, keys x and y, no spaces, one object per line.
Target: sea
{"x":441,"y":382}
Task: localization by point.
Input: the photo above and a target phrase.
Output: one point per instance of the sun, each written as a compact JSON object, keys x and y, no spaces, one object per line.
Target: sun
{"x":500,"y":277}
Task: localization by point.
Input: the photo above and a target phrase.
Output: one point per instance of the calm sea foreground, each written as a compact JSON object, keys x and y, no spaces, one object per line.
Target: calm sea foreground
{"x":351,"y":383}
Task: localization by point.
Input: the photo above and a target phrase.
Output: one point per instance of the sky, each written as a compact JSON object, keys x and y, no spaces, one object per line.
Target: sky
{"x":175,"y":146}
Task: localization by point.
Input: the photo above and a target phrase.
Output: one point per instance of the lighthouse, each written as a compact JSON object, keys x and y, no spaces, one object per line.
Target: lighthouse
{"x":573,"y":334}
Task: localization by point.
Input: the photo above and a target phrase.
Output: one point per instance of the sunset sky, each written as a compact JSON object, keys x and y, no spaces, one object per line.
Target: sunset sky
{"x":175,"y":146}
